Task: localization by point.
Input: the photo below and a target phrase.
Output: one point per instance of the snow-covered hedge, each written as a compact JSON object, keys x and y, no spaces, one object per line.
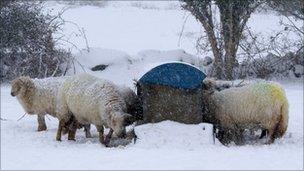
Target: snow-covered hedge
{"x":27,"y":46}
{"x":271,"y":66}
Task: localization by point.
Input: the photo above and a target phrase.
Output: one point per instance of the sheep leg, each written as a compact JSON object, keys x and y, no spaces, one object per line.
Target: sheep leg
{"x":239,"y":136}
{"x":72,"y":130}
{"x":41,"y":122}
{"x":87,"y":128}
{"x":224,"y":135}
{"x":263,"y":134}
{"x":72,"y":134}
{"x":59,"y":131}
{"x":100,"y":131}
{"x":270,"y":136}
{"x":108,"y":137}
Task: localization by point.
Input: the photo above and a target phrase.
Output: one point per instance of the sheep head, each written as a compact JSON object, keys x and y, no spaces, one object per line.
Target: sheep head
{"x":21,"y":85}
{"x":118,"y":123}
{"x":212,"y":85}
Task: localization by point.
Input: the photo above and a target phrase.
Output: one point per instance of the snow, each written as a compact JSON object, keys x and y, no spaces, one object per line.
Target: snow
{"x":123,"y":26}
{"x":100,"y":55}
{"x":164,"y":145}
{"x":133,"y":37}
{"x":133,"y":26}
{"x":123,"y":68}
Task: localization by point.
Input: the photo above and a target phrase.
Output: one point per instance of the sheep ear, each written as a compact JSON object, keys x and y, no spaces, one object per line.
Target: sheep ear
{"x":27,"y":81}
{"x":127,"y":116}
{"x":26,"y":78}
{"x":211,"y":92}
{"x":22,"y":80}
{"x":208,"y":84}
{"x":128,"y":119}
{"x":19,"y":79}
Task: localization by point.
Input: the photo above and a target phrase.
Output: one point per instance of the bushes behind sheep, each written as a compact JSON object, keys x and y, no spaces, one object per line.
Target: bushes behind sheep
{"x":27,"y":46}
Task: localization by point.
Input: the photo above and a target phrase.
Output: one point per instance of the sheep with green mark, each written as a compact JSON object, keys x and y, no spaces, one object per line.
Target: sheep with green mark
{"x":257,"y":105}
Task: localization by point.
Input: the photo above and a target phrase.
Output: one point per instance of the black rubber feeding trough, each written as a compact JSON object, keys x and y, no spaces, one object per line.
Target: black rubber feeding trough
{"x":172,"y":91}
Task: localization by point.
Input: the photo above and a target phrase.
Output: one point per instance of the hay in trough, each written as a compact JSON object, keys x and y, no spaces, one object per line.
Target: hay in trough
{"x":172,"y":91}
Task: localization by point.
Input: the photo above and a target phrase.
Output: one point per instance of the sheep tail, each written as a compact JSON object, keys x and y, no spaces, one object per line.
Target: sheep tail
{"x":281,"y":127}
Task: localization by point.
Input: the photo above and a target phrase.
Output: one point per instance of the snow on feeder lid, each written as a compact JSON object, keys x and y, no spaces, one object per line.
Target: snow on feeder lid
{"x":176,"y":74}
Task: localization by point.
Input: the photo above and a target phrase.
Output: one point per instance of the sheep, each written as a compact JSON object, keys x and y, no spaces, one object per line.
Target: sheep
{"x":133,"y":107}
{"x":92,"y":101}
{"x":258,"y":105}
{"x":38,"y":96}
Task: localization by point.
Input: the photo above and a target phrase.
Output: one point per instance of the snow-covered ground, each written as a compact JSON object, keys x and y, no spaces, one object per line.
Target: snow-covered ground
{"x":125,"y":34}
{"x":165,"y":145}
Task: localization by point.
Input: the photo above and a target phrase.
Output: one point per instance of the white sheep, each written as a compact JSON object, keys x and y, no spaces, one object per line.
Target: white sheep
{"x":133,"y":107}
{"x":38,"y":96}
{"x":92,"y":101}
{"x":262,"y":104}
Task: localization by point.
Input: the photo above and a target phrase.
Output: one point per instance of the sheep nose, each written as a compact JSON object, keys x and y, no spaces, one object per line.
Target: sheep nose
{"x":121,"y":135}
{"x":12,"y":94}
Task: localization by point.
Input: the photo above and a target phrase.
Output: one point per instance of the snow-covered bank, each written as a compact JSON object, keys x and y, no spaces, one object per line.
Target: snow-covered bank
{"x":165,"y":145}
{"x":123,"y":68}
{"x":131,"y":26}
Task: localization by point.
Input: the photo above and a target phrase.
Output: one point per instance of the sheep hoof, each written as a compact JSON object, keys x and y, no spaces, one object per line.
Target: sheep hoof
{"x":102,"y":141}
{"x":58,"y":138}
{"x":269,"y":142}
{"x":41,"y":128}
{"x":71,"y":139}
{"x":107,"y":144}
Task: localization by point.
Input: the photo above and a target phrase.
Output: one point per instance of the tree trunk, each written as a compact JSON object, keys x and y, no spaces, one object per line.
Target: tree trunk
{"x":204,"y":16}
{"x":233,"y":16}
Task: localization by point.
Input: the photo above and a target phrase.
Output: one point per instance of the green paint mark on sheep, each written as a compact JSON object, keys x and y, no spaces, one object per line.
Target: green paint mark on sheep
{"x":274,"y":91}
